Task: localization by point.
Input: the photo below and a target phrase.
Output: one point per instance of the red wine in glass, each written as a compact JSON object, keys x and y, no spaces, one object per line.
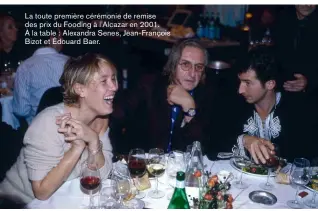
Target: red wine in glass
{"x":90,"y":182}
{"x":272,"y":162}
{"x":137,"y":167}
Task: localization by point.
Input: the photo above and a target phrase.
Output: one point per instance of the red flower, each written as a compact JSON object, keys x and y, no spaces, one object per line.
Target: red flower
{"x":211,"y":183}
{"x":230,"y":198}
{"x":215,"y":178}
{"x":229,"y":205}
{"x":197,"y":173}
{"x":208,"y":197}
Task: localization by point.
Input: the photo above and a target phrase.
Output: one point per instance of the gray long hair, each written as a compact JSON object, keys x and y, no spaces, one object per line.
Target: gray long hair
{"x":174,"y":57}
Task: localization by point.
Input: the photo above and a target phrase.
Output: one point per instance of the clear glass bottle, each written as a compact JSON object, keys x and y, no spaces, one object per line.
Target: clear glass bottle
{"x":194,"y":166}
{"x":179,"y":198}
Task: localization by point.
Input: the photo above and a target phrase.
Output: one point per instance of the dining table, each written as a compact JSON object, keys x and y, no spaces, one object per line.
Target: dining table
{"x":70,"y":196}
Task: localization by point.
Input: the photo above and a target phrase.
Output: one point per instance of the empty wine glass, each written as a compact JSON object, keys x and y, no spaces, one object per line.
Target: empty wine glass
{"x":175,"y":163}
{"x":123,"y":189}
{"x":156,"y":166}
{"x":313,"y":173}
{"x":90,"y":178}
{"x":300,"y":177}
{"x":108,"y":199}
{"x":137,"y":167}
{"x":271,"y":163}
{"x":239,"y":183}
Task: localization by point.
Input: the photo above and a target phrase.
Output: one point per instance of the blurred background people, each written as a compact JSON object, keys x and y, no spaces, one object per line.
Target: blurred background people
{"x":37,"y":74}
{"x":12,"y":49}
{"x":296,"y":40}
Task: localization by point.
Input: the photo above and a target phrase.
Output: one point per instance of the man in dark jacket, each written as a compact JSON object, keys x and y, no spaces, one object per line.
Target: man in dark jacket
{"x":296,"y":46}
{"x":269,"y":116}
{"x":167,"y":111}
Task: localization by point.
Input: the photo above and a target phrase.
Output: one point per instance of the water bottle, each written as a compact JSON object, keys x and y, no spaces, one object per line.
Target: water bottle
{"x":200,"y":32}
{"x":217,"y":27}
{"x":195,"y":165}
{"x":179,"y":198}
{"x":211,"y":30}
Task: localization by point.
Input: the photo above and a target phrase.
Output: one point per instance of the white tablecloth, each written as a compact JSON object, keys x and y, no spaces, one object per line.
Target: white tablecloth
{"x":70,"y":195}
{"x":7,"y":113}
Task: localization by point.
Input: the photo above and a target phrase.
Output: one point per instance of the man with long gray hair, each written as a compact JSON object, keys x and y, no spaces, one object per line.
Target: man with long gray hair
{"x":167,"y":111}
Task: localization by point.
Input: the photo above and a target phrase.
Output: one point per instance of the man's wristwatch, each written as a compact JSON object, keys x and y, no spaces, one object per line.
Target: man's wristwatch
{"x":191,"y":112}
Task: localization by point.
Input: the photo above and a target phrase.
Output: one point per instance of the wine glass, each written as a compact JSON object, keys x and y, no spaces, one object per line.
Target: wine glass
{"x":90,"y":178}
{"x":271,"y":163}
{"x":239,"y":183}
{"x":156,"y":167}
{"x":313,"y":172}
{"x":175,"y":163}
{"x":108,"y":195}
{"x":123,"y":189}
{"x":137,"y":167}
{"x":299,"y":176}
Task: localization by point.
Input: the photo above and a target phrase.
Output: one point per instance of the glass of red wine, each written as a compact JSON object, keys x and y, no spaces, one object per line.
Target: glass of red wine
{"x":137,"y":167}
{"x":271,"y":163}
{"x":90,"y":179}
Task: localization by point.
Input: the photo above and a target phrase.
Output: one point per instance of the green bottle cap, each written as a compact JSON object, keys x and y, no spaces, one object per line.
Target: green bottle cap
{"x":180,"y":176}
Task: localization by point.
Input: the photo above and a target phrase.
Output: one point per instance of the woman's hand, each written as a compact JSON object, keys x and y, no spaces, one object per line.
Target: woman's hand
{"x":76,"y":131}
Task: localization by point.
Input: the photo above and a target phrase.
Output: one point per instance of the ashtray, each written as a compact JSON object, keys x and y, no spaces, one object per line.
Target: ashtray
{"x":263,"y":197}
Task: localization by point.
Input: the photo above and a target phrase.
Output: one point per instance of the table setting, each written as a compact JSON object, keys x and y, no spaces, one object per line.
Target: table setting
{"x":147,"y":180}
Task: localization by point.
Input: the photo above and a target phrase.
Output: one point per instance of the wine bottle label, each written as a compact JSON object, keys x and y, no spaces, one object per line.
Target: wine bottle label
{"x":180,"y":184}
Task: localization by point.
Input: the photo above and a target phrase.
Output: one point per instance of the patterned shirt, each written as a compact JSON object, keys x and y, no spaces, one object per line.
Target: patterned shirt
{"x":34,"y":76}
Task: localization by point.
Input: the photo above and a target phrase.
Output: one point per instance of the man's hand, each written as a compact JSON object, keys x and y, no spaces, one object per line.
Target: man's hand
{"x":296,"y":85}
{"x":259,"y":148}
{"x":179,"y":96}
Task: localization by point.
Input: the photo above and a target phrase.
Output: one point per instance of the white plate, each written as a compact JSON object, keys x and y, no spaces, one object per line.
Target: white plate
{"x":309,"y":188}
{"x":248,"y":173}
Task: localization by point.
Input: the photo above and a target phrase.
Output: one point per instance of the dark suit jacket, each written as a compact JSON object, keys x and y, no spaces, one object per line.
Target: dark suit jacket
{"x":51,"y":97}
{"x":296,"y":46}
{"x":142,"y":118}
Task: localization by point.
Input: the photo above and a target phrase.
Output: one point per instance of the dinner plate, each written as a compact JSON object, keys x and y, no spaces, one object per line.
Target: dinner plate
{"x":307,"y":186}
{"x":239,"y":166}
{"x":311,"y":189}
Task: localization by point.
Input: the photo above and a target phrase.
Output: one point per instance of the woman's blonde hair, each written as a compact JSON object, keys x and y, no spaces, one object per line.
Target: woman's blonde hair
{"x":81,"y":70}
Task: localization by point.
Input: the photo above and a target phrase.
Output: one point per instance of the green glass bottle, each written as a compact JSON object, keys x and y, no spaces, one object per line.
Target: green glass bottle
{"x":179,"y":198}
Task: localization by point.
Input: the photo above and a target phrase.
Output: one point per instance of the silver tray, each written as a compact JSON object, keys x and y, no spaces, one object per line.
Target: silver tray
{"x":239,"y":168}
{"x":262,"y":197}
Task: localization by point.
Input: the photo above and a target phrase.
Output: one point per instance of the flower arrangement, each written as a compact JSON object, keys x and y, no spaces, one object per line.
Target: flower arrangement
{"x":213,"y":194}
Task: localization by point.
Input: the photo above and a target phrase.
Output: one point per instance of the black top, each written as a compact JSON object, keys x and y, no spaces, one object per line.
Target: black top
{"x":296,"y":44}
